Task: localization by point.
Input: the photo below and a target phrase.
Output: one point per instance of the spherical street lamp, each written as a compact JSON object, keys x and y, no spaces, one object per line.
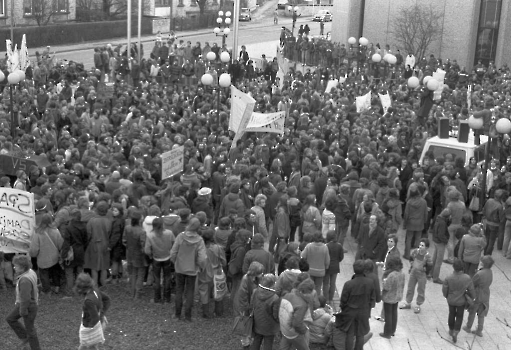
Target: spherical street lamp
{"x":413,"y":82}
{"x":224,"y":80}
{"x":207,"y":79}
{"x":216,"y":30}
{"x":503,"y":126}
{"x":352,"y":41}
{"x":376,"y":58}
{"x":363,"y":41}
{"x":211,"y":56}
{"x":13,"y":78}
{"x":225,"y":57}
{"x":220,"y":13}
{"x":226,"y":31}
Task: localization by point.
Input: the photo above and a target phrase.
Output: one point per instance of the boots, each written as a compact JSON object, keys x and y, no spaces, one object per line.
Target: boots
{"x":219,"y":308}
{"x":455,"y":336}
{"x":478,"y":331}
{"x":206,"y":311}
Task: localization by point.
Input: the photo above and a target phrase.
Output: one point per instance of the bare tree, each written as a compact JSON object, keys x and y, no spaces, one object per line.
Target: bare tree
{"x":416,"y":27}
{"x":42,"y":11}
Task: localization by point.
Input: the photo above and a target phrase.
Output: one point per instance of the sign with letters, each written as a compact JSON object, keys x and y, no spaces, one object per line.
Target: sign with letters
{"x":172,"y":162}
{"x":17,"y":220}
{"x":11,"y":164}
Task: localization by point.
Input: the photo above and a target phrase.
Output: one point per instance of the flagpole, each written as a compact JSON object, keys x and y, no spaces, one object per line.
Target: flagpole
{"x":12,"y":21}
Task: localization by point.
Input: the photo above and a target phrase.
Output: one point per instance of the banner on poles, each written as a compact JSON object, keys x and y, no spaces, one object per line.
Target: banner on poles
{"x":363,"y":102}
{"x":242,"y":106}
{"x":17,"y":220}
{"x":172,"y":162}
{"x":270,"y":122}
{"x":386,"y":103}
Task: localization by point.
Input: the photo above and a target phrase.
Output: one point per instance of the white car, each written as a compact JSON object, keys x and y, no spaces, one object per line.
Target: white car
{"x":323,"y":15}
{"x":245,"y":15}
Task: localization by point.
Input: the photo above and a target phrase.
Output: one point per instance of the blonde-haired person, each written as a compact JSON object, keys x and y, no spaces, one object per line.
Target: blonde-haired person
{"x":95,"y":305}
{"x":26,"y":306}
{"x":45,"y":245}
{"x":260,"y":220}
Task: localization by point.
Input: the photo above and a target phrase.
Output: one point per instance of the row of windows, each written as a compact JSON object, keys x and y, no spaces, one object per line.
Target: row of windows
{"x":31,"y":7}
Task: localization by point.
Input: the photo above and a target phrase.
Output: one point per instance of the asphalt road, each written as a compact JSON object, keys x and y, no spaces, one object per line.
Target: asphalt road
{"x":260,"y":36}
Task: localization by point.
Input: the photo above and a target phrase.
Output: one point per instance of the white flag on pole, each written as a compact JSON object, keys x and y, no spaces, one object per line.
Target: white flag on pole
{"x":363,"y":102}
{"x":385,"y":102}
{"x":242,"y":106}
{"x":24,"y":57}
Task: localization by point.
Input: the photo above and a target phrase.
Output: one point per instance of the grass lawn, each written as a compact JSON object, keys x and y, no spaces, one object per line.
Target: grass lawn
{"x":132,"y":325}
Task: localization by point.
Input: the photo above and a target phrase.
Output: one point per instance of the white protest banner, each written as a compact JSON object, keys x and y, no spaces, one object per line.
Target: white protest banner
{"x":172,"y":162}
{"x":17,"y":220}
{"x":331,"y":84}
{"x":386,"y":103}
{"x":239,"y":102}
{"x":271,"y":122}
{"x":363,"y":102}
{"x":242,"y":106}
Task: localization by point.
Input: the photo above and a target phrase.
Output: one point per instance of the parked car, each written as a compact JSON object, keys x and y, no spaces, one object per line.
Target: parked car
{"x":323,"y":15}
{"x":245,"y":14}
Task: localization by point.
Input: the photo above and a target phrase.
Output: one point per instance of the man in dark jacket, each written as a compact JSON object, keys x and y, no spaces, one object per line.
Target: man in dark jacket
{"x":440,"y":239}
{"x":371,"y":241}
{"x":75,"y":239}
{"x":232,"y":201}
{"x":357,"y":298}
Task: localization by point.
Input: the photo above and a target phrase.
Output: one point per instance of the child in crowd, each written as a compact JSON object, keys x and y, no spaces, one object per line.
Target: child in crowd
{"x":421,"y":264}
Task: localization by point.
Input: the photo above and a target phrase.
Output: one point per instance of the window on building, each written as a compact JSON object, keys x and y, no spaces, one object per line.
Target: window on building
{"x":59,"y":5}
{"x":27,"y":7}
{"x":488,"y":31}
{"x":2,"y":8}
{"x":162,"y":3}
{"x":181,"y":3}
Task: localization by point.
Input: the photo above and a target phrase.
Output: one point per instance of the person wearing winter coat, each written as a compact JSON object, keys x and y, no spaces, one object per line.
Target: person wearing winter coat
{"x":470,"y":250}
{"x":392,"y":293}
{"x":416,"y":214}
{"x":265,"y":304}
{"x":294,"y":207}
{"x":287,"y":278}
{"x":157,"y":246}
{"x":214,"y":266}
{"x":97,"y":255}
{"x":238,"y":251}
{"x":454,"y":289}
{"x":260,"y":219}
{"x":311,"y":217}
{"x":482,"y":281}
{"x":134,"y":238}
{"x":258,"y":253}
{"x":328,"y":221}
{"x":371,"y":241}
{"x":336,"y":253}
{"x":457,"y":208}
{"x":118,"y":251}
{"x":45,"y":245}
{"x":281,"y":229}
{"x":189,"y":257}
{"x":232,"y":201}
{"x":392,"y":206}
{"x":320,"y":319}
{"x":75,"y":238}
{"x":440,"y":239}
{"x":294,"y":314}
{"x":317,"y":255}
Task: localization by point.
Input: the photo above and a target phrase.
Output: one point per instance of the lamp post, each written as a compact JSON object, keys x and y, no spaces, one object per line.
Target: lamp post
{"x":295,"y":15}
{"x":501,"y":126}
{"x":223,"y":21}
{"x":13,"y":78}
{"x":351,"y":53}
{"x":223,"y":79}
{"x":376,"y":58}
{"x":363,"y":42}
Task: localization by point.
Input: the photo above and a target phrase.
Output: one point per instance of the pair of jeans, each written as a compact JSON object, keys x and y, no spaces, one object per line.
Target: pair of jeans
{"x":136,"y":279}
{"x":438,"y":257}
{"x":28,"y":330}
{"x":50,"y":277}
{"x":158,"y":268}
{"x":506,"y":252}
{"x":412,"y":240}
{"x":71,"y":273}
{"x":452,"y":241}
{"x":329,"y":286}
{"x":491,"y":234}
{"x":259,"y":339}
{"x":455,"y":319}
{"x":299,"y":343}
{"x":417,"y":278}
{"x":390,"y":318}
{"x":185,"y":285}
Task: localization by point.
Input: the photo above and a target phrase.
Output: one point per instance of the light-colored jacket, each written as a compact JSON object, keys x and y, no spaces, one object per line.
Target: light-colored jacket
{"x":393,"y":287}
{"x":46,"y":247}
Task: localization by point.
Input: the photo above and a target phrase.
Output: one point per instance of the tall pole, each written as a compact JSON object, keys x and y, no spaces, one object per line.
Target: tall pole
{"x":170,"y":17}
{"x":139,"y":30}
{"x":128,"y":11}
{"x":13,"y":128}
{"x":236,"y":20}
{"x":12,"y":21}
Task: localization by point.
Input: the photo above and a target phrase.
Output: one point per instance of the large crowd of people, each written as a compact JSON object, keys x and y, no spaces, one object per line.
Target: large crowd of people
{"x":270,"y":215}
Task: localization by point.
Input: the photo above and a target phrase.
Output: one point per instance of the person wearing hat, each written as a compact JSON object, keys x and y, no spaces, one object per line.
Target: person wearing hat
{"x":189,"y":256}
{"x":203,"y":203}
{"x":97,"y":254}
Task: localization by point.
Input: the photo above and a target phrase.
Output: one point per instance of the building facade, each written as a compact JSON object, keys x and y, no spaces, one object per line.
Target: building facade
{"x":28,"y":12}
{"x":474,"y":30}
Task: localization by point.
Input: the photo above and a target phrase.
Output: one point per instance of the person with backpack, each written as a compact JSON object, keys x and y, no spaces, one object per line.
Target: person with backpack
{"x":189,"y":256}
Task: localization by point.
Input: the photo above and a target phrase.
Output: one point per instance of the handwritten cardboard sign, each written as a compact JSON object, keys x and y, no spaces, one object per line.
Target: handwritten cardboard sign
{"x":17,"y":220}
{"x":172,"y":162}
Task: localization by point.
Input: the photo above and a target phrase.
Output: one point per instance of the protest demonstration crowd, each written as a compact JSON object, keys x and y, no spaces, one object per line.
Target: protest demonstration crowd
{"x":257,"y":224}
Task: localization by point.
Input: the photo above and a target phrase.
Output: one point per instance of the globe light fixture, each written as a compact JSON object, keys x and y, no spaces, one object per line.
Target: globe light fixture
{"x":207,"y":79}
{"x":225,"y":57}
{"x":363,"y":41}
{"x":224,"y":80}
{"x":503,"y":126}
{"x":352,"y":41}
{"x":376,"y":58}
{"x":413,"y":82}
{"x":211,"y":56}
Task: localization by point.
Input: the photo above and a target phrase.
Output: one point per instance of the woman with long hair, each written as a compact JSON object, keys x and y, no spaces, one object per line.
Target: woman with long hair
{"x":392,"y":293}
{"x":45,"y":245}
{"x":95,"y":305}
{"x":311,"y":217}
